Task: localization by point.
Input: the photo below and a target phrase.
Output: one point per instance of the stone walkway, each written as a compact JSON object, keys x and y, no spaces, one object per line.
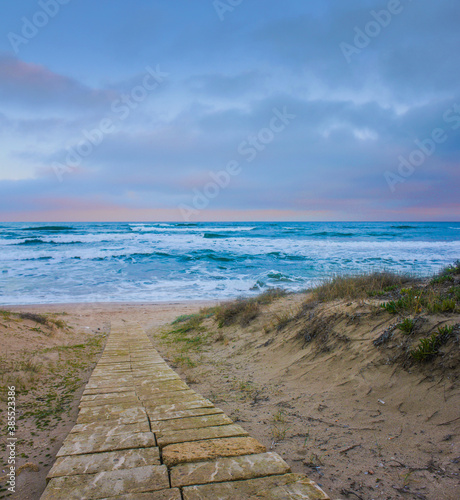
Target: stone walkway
{"x":142,"y":433}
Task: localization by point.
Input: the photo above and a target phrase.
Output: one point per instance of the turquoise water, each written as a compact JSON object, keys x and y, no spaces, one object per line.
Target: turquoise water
{"x":149,"y":262}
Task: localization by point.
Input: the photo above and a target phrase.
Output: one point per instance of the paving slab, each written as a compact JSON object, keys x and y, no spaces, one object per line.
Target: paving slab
{"x":107,"y":483}
{"x":164,"y":409}
{"x":197,"y":451}
{"x":116,"y":400}
{"x":129,"y":413}
{"x":267,"y":488}
{"x":150,"y":379}
{"x":111,"y":460}
{"x":228,"y":469}
{"x":170,"y":494}
{"x":188,"y":412}
{"x":173,"y":397}
{"x":181,"y":436}
{"x":192,"y":422}
{"x":146,"y":391}
{"x":108,"y":395}
{"x":82,"y":443}
{"x":111,"y":427}
{"x":107,"y":390}
{"x":116,"y":359}
{"x":107,"y":382}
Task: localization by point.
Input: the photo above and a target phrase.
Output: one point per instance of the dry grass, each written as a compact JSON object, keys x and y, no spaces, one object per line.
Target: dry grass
{"x":244,"y":310}
{"x":241,"y":311}
{"x":361,"y":286}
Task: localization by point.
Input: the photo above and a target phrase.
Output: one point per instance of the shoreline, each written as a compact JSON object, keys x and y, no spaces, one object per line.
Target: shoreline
{"x":108,"y":305}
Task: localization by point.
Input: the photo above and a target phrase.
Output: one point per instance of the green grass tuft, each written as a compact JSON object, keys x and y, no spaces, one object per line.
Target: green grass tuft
{"x":407,"y":326}
{"x":428,"y":348}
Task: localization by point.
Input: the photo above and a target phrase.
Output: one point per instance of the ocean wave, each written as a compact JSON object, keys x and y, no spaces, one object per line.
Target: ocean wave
{"x":34,"y":241}
{"x":48,"y":228}
{"x":333,"y":234}
{"x":213,"y":235}
{"x":200,"y":255}
{"x":38,"y":241}
{"x":181,"y":229}
{"x":283,"y":256}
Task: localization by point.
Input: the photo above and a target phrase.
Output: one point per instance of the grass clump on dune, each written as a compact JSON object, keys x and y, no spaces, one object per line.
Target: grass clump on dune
{"x":428,"y":348}
{"x":241,"y":311}
{"x":360,"y":286}
{"x":245,"y":310}
{"x":448,"y":274}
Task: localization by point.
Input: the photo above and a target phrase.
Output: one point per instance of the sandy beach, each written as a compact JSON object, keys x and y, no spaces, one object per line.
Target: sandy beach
{"x":337,"y":409}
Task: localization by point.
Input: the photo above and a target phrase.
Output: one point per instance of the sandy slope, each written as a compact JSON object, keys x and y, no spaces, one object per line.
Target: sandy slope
{"x":338,"y":409}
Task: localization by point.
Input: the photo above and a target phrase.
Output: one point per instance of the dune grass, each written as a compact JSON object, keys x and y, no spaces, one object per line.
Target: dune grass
{"x":361,"y":286}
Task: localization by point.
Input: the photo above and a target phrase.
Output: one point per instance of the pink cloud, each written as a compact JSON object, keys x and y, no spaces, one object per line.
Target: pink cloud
{"x":30,"y":83}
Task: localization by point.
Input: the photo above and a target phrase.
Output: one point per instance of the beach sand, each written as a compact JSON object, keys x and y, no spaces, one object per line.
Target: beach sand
{"x":357,"y":424}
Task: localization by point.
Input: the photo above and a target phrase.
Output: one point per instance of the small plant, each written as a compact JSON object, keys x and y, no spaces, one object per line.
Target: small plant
{"x":283,"y":319}
{"x":182,"y":318}
{"x":442,"y":279}
{"x":242,"y":311}
{"x":5,"y":314}
{"x":390,"y":307}
{"x":428,"y":348}
{"x":279,"y":426}
{"x":407,"y":326}
{"x":184,"y":361}
{"x":38,"y":318}
{"x":447,"y":274}
{"x":314,"y":461}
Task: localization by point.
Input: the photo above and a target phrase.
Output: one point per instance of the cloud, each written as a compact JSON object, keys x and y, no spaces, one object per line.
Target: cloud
{"x":26,"y":84}
{"x":352,"y":120}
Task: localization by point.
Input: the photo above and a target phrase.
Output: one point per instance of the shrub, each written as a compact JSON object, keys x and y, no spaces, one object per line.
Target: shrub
{"x":38,"y":318}
{"x":428,"y":348}
{"x":407,"y":326}
{"x":240,"y":310}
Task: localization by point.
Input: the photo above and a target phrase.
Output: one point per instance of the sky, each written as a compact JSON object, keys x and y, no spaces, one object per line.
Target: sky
{"x":160,"y":110}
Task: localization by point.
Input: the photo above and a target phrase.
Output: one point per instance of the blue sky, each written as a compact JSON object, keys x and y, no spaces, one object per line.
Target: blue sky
{"x":229,"y":110}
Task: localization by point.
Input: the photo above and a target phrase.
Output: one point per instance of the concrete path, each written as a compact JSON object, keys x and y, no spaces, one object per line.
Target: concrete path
{"x":142,"y":433}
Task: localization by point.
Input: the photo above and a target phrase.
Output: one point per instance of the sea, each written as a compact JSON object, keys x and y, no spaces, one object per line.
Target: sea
{"x":44,"y":263}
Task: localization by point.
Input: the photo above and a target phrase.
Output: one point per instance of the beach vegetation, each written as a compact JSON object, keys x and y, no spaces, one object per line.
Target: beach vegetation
{"x":244,"y":310}
{"x":360,"y":286}
{"x":279,"y":426}
{"x":241,"y":311}
{"x":184,"y":361}
{"x":428,"y":348}
{"x":188,"y":323}
{"x":448,"y":274}
{"x":183,"y":318}
{"x":407,"y":326}
{"x":38,"y":318}
{"x":282,"y":319}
